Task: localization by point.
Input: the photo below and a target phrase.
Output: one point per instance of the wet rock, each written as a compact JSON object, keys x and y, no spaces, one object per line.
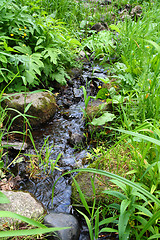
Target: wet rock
{"x":67,"y":162}
{"x":78,"y":93}
{"x":75,"y":72}
{"x":98,"y":27}
{"x":63,"y":220}
{"x":21,"y":203}
{"x":76,"y":138}
{"x":81,"y":159}
{"x":84,"y":182}
{"x":41,"y":105}
{"x":97,"y":107}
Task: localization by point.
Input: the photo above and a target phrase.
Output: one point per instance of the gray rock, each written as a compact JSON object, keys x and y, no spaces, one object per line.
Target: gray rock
{"x":97,"y":107}
{"x":67,"y":162}
{"x":43,"y":107}
{"x":81,"y":159}
{"x":78,"y":93}
{"x":98,"y":27}
{"x":76,"y":138}
{"x":21,"y":203}
{"x":63,"y":220}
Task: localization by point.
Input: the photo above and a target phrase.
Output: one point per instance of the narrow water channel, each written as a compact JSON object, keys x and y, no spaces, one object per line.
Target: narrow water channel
{"x":65,"y":129}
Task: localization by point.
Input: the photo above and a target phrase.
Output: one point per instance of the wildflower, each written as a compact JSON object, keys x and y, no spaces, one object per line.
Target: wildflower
{"x":99,"y":86}
{"x":22,"y":36}
{"x":149,"y":81}
{"x":115,"y":86}
{"x":12,"y":34}
{"x":147,"y":95}
{"x":25,"y":34}
{"x":25,"y":28}
{"x":20,"y":29}
{"x":147,"y":46}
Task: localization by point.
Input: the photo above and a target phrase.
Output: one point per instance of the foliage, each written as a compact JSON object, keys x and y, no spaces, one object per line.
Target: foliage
{"x":42,"y":159}
{"x":100,"y":44}
{"x":38,"y":47}
{"x":41,"y":229}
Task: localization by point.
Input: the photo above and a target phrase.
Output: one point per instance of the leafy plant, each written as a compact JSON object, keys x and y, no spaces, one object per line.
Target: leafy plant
{"x":100,"y":44}
{"x":38,"y":48}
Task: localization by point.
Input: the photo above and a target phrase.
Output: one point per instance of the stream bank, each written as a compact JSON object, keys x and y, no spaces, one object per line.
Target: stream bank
{"x":65,"y":136}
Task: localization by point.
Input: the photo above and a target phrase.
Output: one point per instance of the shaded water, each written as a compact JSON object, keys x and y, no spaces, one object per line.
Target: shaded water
{"x":68,"y":123}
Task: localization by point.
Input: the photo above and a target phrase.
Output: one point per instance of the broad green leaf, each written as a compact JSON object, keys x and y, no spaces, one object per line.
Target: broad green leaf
{"x":29,"y":232}
{"x":108,"y":230}
{"x":52,"y":53}
{"x":144,"y":137}
{"x":105,"y":80}
{"x":155,"y":236}
{"x":144,"y":211}
{"x":124,"y":205}
{"x":96,"y":225}
{"x":74,"y":42}
{"x":157,"y":47}
{"x":102,"y":93}
{"x":23,"y":49}
{"x":88,"y":224}
{"x":106,"y":117}
{"x":107,"y":220}
{"x":1,"y":163}
{"x":119,"y":184}
{"x":122,"y":225}
{"x":114,"y":27}
{"x":3,"y":198}
{"x":119,"y":178}
{"x":119,"y":195}
{"x":3,"y":58}
{"x":150,"y":223}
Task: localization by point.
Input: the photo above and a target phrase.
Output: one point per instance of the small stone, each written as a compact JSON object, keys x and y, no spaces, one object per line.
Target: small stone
{"x":98,"y":27}
{"x":78,"y":93}
{"x":63,"y":220}
{"x":67,"y":162}
{"x":76,"y":138}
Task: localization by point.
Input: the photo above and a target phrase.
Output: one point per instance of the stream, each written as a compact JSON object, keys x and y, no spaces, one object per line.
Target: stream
{"x":63,"y":132}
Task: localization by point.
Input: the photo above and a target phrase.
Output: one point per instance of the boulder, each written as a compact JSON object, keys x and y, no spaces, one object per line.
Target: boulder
{"x":97,"y":107}
{"x":41,"y":105}
{"x":63,"y":220}
{"x":22,"y":203}
{"x":116,"y":160}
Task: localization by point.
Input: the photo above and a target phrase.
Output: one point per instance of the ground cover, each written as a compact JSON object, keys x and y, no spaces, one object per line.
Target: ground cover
{"x":38,"y":46}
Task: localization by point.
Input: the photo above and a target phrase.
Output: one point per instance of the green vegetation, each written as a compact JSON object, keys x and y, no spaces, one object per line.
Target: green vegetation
{"x":39,"y":44}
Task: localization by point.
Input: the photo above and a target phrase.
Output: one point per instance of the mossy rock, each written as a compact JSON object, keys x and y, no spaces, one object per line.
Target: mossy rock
{"x":116,"y":160}
{"x":97,"y":107}
{"x":41,"y":105}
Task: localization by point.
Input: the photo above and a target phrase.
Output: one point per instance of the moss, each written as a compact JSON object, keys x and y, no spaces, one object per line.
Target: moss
{"x":116,"y":160}
{"x":42,"y":109}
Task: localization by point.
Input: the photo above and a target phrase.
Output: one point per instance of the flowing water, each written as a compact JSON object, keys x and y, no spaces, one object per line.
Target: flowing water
{"x":68,"y":123}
